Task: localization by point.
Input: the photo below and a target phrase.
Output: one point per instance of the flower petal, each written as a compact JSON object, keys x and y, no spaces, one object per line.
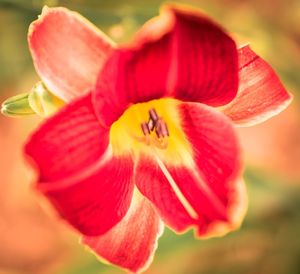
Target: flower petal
{"x":88,"y":186}
{"x":96,"y":200}
{"x":132,"y":242}
{"x":181,"y":54}
{"x":68,"y":142}
{"x":206,"y":190}
{"x":68,"y":51}
{"x":152,"y":183}
{"x":261,"y":94}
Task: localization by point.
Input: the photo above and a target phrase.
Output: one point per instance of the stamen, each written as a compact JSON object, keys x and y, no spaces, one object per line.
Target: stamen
{"x":157,"y":124}
{"x":166,"y":130}
{"x":186,"y":204}
{"x":153,"y":115}
{"x":151,"y":124}
{"x":161,"y":128}
{"x":158,"y":132}
{"x":145,"y":128}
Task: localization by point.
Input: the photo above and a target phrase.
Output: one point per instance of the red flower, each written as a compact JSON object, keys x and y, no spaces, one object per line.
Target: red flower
{"x":151,"y":137}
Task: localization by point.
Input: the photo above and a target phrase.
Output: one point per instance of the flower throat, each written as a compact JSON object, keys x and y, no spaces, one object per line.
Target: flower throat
{"x":151,"y":126}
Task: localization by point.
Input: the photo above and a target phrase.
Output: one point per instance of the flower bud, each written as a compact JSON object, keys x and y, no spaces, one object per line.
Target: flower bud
{"x":17,"y":106}
{"x":42,"y":101}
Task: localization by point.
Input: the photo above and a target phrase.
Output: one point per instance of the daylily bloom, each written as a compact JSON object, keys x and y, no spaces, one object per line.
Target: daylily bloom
{"x":147,"y":135}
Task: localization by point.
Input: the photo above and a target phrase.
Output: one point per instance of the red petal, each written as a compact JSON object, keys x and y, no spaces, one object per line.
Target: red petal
{"x":261,"y":94}
{"x":68,"y":51}
{"x":181,"y":54}
{"x":152,"y":182}
{"x":204,"y":65}
{"x":68,"y":142}
{"x":132,"y":242}
{"x":95,"y":200}
{"x":206,"y":193}
{"x":89,"y":187}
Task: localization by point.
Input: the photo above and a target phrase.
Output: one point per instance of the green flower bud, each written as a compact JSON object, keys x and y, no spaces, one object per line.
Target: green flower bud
{"x":17,"y":106}
{"x":38,"y":101}
{"x":43,"y":102}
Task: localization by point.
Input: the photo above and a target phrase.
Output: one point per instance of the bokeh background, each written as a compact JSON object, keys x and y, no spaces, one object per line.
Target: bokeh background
{"x":34,"y":241}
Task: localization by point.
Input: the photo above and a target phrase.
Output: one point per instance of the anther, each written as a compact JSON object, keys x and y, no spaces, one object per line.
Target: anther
{"x":151,"y":125}
{"x":145,"y":128}
{"x":157,"y":124}
{"x":153,"y":115}
{"x":158,"y":129}
{"x":161,"y":128}
{"x":164,"y":128}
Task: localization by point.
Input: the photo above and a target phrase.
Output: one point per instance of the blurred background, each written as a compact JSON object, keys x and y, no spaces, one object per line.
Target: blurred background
{"x":33,"y":241}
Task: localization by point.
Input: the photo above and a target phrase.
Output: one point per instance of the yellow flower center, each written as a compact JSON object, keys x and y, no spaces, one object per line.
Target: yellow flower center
{"x":152,"y":127}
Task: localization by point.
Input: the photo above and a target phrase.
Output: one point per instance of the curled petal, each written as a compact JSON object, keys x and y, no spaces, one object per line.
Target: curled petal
{"x":71,"y":153}
{"x":205,"y":190}
{"x":132,"y":242}
{"x":181,"y":54}
{"x":68,"y":51}
{"x":261,"y":94}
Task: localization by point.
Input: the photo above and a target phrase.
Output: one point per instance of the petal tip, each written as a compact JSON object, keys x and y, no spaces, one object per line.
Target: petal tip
{"x":45,"y":9}
{"x":67,"y":70}
{"x":266,"y":116}
{"x":179,"y":7}
{"x":261,"y":94}
{"x":236,"y":214}
{"x":246,"y":45}
{"x":125,"y":245}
